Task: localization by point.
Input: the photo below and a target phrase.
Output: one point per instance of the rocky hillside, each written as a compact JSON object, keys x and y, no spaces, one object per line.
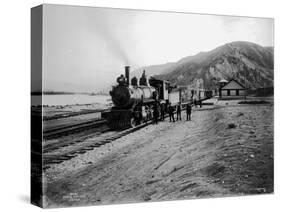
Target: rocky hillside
{"x":239,"y":60}
{"x":154,"y":69}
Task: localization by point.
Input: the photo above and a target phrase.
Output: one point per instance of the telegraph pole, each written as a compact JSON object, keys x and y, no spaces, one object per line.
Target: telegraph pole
{"x":242,"y":65}
{"x":245,"y":83}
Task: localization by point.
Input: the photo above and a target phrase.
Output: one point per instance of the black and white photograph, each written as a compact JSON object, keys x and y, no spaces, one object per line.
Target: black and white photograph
{"x":132,"y":106}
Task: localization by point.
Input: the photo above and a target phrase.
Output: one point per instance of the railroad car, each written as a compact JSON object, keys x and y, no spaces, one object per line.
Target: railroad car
{"x":193,"y":94}
{"x":174,"y":96}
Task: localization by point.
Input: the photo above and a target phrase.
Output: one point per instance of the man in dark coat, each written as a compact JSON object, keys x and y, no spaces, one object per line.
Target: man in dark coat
{"x":156,"y":113}
{"x":171,"y":112}
{"x":179,"y":111}
{"x":162,"y":112}
{"x":188,"y":112}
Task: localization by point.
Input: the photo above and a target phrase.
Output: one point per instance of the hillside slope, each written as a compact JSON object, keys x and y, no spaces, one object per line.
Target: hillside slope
{"x":239,"y":60}
{"x":154,"y":69}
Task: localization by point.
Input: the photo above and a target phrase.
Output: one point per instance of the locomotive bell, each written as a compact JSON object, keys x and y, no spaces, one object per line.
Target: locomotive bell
{"x":127,"y":74}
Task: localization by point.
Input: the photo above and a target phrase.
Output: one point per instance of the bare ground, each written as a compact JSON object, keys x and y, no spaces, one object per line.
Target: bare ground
{"x":222,"y":152}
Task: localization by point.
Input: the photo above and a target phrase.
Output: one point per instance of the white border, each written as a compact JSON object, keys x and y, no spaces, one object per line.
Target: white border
{"x":15,"y":104}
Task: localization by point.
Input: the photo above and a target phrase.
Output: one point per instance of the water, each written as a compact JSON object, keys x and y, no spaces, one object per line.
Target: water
{"x":71,"y":99}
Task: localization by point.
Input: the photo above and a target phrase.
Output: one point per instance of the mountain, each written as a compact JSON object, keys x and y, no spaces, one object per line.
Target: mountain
{"x":239,"y":60}
{"x":270,"y":48}
{"x":153,"y":70}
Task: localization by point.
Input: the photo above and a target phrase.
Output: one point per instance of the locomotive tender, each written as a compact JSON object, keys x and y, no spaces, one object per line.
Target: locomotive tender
{"x":133,"y":103}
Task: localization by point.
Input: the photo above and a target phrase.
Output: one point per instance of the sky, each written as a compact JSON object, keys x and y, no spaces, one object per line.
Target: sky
{"x":86,"y":48}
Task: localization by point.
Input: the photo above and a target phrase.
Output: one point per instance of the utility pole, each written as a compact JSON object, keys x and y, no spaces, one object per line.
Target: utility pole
{"x":242,"y":65}
{"x":245,"y":83}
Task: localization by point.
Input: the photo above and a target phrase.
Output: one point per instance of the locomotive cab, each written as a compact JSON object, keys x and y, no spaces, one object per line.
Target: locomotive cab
{"x":161,"y":86}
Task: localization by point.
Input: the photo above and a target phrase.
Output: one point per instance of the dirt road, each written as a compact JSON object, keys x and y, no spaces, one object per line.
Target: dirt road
{"x":222,"y":152}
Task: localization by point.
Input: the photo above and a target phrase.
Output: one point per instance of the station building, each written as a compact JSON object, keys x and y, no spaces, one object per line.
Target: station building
{"x":231,"y":89}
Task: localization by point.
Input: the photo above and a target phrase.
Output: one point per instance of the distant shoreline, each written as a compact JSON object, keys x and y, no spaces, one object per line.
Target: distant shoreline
{"x":38,"y":93}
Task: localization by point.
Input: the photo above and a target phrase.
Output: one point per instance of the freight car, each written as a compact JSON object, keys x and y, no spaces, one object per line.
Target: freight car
{"x":133,"y":102}
{"x":193,"y":94}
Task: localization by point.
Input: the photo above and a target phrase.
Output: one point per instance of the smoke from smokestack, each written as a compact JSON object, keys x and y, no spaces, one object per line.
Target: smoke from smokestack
{"x":105,"y":30}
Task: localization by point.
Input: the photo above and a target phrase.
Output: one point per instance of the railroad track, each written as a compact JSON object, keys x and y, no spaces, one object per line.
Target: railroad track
{"x":72,"y":150}
{"x":71,"y":114}
{"x":65,"y":130}
{"x":54,"y":145}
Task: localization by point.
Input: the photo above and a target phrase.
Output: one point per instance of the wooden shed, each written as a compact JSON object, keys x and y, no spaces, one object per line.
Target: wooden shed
{"x":232,"y":90}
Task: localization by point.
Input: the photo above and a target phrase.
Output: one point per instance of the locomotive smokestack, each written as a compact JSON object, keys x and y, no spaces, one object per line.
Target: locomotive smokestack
{"x":127,"y":74}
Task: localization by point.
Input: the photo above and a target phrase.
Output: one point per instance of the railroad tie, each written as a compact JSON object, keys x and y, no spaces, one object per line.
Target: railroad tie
{"x":89,"y":148}
{"x":81,"y":151}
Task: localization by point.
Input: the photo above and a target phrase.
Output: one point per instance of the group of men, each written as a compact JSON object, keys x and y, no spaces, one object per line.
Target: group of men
{"x":170,"y":109}
{"x":178,"y":111}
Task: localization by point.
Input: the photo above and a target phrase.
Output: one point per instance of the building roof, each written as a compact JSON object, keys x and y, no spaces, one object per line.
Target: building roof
{"x":223,"y":80}
{"x":232,"y":80}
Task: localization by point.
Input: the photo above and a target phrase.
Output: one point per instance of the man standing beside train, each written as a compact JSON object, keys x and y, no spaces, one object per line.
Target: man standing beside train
{"x":188,"y":112}
{"x":179,"y":111}
{"x":162,"y":109}
{"x":171,"y":112}
{"x":156,"y":113}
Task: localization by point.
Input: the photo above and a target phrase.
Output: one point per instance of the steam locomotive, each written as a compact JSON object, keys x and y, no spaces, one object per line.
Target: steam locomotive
{"x":133,"y":103}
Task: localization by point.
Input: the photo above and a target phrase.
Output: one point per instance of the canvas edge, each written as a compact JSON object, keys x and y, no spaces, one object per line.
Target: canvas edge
{"x":36,"y":178}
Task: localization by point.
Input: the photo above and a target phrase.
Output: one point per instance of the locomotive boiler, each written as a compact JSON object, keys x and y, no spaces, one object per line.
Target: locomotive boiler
{"x":126,"y":95}
{"x":130,"y":100}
